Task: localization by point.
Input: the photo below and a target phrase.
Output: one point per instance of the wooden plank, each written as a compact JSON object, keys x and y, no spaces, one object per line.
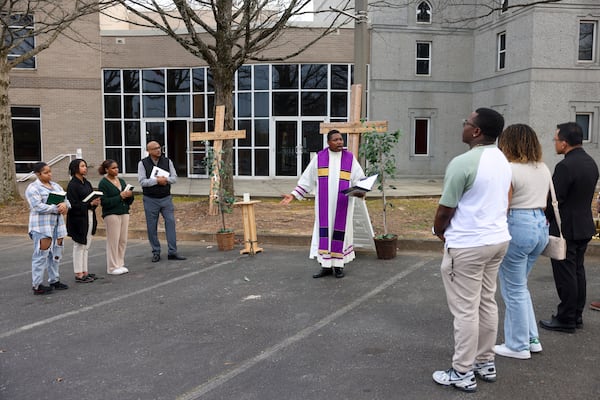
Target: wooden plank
{"x":222,"y":135}
{"x":353,"y":127}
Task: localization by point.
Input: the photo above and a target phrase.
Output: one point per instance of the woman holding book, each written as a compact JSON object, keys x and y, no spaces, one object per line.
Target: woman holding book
{"x":81,"y":219}
{"x":116,"y":199}
{"x":46,"y":228}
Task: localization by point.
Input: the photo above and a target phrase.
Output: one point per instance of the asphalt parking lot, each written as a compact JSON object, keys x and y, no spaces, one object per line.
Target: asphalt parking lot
{"x":226,"y":326}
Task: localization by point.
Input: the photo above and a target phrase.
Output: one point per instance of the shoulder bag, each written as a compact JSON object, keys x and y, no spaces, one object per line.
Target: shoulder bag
{"x":557,"y":245}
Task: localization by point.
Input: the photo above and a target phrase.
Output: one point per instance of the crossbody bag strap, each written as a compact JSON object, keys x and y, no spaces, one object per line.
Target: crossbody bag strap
{"x":555,"y":206}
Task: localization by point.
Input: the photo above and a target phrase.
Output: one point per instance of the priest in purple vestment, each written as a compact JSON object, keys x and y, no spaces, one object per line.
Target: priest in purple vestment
{"x":328,"y":174}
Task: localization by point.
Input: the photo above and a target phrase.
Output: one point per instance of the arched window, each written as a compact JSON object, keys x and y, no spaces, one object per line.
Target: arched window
{"x":424,"y":13}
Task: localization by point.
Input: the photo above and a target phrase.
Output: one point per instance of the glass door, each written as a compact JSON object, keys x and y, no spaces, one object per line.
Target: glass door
{"x":286,"y":148}
{"x":155,"y":131}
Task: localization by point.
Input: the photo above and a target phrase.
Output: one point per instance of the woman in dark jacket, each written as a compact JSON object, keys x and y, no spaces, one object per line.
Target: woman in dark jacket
{"x":81,"y":219}
{"x":115,"y":210}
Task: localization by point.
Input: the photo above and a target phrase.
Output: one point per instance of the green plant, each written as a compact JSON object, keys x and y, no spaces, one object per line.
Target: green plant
{"x":223,"y":198}
{"x":377,"y":149}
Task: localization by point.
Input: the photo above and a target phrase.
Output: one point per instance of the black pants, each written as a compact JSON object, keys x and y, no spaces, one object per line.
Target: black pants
{"x":569,"y":277}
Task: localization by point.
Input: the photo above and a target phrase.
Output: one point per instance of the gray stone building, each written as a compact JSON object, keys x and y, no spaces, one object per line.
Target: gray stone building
{"x":433,"y":63}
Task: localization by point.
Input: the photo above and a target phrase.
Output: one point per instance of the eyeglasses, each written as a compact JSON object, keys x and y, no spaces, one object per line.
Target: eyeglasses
{"x":466,"y":122}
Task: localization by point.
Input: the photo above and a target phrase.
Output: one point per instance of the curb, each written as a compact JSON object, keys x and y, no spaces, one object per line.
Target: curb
{"x":593,"y":249}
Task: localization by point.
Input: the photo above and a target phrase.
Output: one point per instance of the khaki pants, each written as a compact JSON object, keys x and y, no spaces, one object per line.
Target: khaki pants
{"x":116,"y":240}
{"x":469,"y":277}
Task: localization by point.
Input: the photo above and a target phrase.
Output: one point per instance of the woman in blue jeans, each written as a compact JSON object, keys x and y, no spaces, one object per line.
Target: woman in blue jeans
{"x":529,"y":231}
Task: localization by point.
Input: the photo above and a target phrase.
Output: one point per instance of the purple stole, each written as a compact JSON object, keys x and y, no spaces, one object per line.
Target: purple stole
{"x":339,"y":226}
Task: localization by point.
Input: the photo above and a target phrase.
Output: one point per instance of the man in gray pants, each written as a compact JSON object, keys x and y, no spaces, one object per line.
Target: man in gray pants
{"x":156,"y":185}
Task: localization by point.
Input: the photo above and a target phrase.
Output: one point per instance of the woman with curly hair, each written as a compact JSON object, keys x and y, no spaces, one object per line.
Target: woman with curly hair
{"x":528,"y":228}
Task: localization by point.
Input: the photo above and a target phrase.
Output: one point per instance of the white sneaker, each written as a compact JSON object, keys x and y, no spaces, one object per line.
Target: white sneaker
{"x":502,"y":350}
{"x":124,"y":268}
{"x":485,"y":370}
{"x":535,"y":346}
{"x":462,"y":381}
{"x":119,"y":271}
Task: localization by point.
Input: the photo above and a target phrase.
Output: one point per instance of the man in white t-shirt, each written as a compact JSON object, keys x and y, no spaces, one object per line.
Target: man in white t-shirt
{"x":471,"y":220}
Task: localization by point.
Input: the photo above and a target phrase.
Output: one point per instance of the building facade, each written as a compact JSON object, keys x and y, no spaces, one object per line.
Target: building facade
{"x":431,"y":64}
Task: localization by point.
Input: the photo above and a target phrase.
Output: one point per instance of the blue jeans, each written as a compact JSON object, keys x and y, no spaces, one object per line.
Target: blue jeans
{"x":529,"y":231}
{"x":154,"y":207}
{"x":43,"y":260}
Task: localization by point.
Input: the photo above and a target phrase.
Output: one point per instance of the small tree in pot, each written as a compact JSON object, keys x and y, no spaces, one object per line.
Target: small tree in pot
{"x":377,"y":149}
{"x":224,"y":200}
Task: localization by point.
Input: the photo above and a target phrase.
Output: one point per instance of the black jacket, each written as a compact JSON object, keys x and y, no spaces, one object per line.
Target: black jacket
{"x":77,"y":217}
{"x":574,"y":180}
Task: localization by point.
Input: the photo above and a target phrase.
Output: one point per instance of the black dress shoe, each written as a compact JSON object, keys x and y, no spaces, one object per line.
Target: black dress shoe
{"x":339,"y":272}
{"x":176,"y":257}
{"x":555,"y":325}
{"x":323,"y":272}
{"x":579,"y":323}
{"x":155,"y":257}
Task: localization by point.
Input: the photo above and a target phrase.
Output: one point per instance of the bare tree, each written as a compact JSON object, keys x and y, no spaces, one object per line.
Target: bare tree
{"x":27,"y":28}
{"x":228,"y":33}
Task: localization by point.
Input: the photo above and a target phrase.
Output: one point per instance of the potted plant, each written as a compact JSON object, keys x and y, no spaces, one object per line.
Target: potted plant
{"x":377,"y":149}
{"x":224,"y":200}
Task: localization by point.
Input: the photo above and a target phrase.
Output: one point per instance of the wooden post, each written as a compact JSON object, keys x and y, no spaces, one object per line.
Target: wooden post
{"x":250,"y":239}
{"x":354,"y":127}
{"x":218,"y":135}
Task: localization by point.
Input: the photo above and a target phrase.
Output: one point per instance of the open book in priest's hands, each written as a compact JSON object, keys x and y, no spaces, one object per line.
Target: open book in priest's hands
{"x":363,"y":186}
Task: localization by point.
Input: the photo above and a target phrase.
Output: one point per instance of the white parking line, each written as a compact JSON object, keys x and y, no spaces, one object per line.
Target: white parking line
{"x":222,"y":379}
{"x":110,"y":301}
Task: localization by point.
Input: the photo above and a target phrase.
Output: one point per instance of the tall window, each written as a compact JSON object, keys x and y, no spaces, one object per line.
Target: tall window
{"x":423,"y":58}
{"x":504,"y":6}
{"x":501,"y":51}
{"x":26,"y":125}
{"x":421,"y":137}
{"x":587,"y":41}
{"x":424,"y":13}
{"x":585,"y":121}
{"x":19,"y":37}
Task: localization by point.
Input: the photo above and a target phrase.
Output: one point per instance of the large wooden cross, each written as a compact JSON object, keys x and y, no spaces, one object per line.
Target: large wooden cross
{"x":354,"y":127}
{"x":218,"y":135}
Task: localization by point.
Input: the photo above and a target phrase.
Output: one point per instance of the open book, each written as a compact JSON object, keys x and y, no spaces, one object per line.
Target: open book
{"x":94,"y":195}
{"x":156,"y":171}
{"x":56,"y":197}
{"x":363,"y":186}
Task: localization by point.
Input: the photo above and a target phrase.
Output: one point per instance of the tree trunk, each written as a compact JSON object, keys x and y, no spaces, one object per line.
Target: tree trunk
{"x":223,"y":78}
{"x":8,"y":175}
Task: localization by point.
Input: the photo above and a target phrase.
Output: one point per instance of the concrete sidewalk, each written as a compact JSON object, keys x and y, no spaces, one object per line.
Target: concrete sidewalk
{"x":220,"y":326}
{"x":403,"y":187}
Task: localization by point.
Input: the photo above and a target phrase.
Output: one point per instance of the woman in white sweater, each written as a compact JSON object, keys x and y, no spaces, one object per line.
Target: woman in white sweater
{"x":529,"y":231}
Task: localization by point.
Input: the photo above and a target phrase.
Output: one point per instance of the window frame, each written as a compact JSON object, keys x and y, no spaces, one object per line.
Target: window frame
{"x":430,"y":13}
{"x":501,"y":51}
{"x":29,"y":27}
{"x":590,"y":124}
{"x":37,"y":118}
{"x":428,"y":59}
{"x":413,"y":149}
{"x":594,"y":23}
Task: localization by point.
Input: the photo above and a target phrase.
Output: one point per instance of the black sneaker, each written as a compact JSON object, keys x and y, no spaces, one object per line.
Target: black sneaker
{"x":41,"y":290}
{"x":59,"y":286}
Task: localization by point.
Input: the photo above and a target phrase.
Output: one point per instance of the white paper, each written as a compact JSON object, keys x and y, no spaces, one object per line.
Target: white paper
{"x":367,"y":183}
{"x":156,"y":171}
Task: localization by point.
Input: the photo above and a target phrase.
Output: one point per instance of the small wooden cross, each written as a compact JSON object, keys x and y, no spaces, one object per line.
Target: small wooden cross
{"x":355,"y":126}
{"x":218,"y":135}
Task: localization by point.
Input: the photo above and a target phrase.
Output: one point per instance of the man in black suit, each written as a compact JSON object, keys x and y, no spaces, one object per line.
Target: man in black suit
{"x":575,"y":180}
